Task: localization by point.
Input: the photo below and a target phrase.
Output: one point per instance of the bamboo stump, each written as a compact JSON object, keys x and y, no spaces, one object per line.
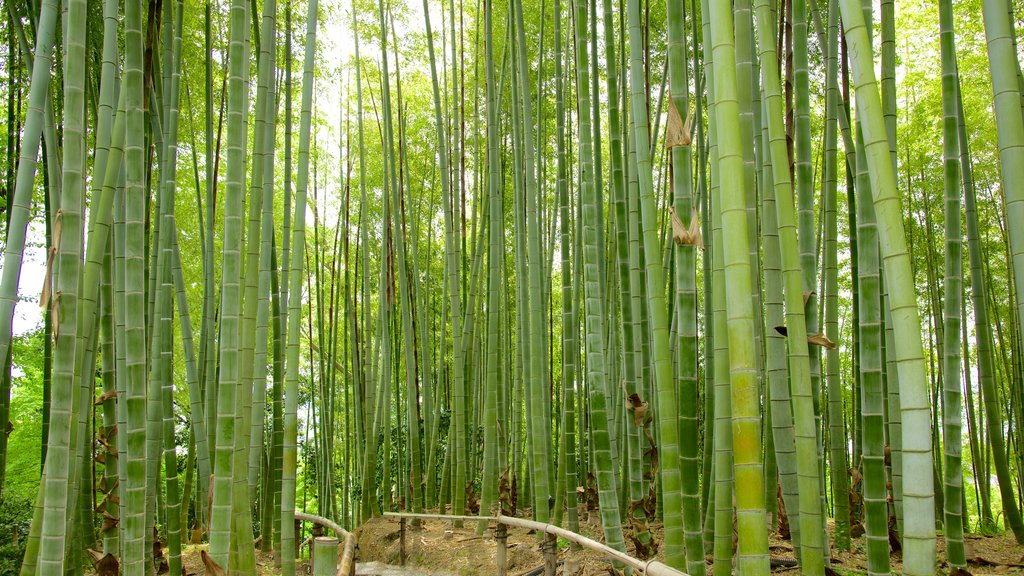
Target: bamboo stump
{"x":325,"y":556}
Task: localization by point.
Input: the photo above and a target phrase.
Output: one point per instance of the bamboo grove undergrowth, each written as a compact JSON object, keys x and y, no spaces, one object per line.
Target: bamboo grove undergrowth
{"x":678,"y":269}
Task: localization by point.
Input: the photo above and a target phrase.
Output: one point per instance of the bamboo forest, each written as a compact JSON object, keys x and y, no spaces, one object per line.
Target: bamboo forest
{"x":556,"y":286}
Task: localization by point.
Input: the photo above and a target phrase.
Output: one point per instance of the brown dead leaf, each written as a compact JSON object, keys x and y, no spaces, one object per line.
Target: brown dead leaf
{"x":212,"y":568}
{"x":55,"y":315}
{"x":807,"y":296}
{"x":106,"y":564}
{"x":51,"y":255}
{"x":109,"y":522}
{"x":638,"y":408}
{"x":686,"y":235}
{"x":821,"y":340}
{"x":105,"y":396}
{"x":677,"y":131}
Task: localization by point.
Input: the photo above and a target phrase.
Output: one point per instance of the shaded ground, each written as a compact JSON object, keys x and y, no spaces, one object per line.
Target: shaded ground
{"x":437,"y":545}
{"x":439,"y":549}
{"x":265,"y":566}
{"x":986,"y":555}
{"x":380,"y":569}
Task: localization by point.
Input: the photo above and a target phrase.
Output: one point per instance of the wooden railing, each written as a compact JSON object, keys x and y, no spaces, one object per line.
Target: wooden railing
{"x":347,"y":542}
{"x":552,"y":533}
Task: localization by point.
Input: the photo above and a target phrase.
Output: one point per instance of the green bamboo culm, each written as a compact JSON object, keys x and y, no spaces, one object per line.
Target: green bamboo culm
{"x":132,"y":300}
{"x":837,"y":433}
{"x":258,"y":275}
{"x":686,"y":291}
{"x":890,"y":374}
{"x":566,"y":497}
{"x":297,"y":255}
{"x":872,"y":398}
{"x":535,"y":357}
{"x":63,"y":305}
{"x":446,"y":191}
{"x":752,"y":553}
{"x":405,"y":299}
{"x":594,"y":310}
{"x":21,"y":200}
{"x":453,"y":263}
{"x":229,"y":389}
{"x":952,"y":297}
{"x":495,"y":261}
{"x":810,"y":520}
{"x":166,"y":258}
{"x":1005,"y":69}
{"x":918,"y":499}
{"x":660,"y":357}
{"x":979,"y":303}
{"x":108,"y":156}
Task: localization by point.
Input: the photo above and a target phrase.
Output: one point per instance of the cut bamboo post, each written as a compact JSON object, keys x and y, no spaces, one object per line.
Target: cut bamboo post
{"x":325,"y":556}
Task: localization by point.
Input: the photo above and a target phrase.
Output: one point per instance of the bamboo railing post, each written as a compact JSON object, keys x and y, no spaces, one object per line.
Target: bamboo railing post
{"x":401,"y":541}
{"x":348,"y":557}
{"x":550,"y":554}
{"x":348,"y":554}
{"x":325,"y":556}
{"x":501,"y":557}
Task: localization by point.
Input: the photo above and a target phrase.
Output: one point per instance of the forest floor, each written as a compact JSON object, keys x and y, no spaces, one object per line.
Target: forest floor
{"x":437,"y":548}
{"x":442,"y":550}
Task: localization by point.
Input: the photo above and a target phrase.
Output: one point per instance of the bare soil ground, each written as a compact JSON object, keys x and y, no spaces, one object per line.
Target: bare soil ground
{"x":437,"y":548}
{"x":192,"y":564}
{"x":438,"y":545}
